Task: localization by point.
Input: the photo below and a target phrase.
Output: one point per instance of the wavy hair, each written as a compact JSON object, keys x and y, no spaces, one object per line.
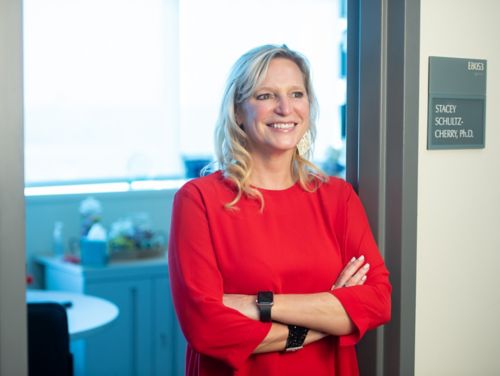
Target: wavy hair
{"x":231,"y":141}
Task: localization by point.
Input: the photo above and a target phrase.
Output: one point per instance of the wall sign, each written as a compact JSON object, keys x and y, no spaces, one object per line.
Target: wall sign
{"x":457,"y":103}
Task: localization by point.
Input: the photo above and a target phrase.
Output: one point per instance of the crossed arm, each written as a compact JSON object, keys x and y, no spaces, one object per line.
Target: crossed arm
{"x":321,"y":312}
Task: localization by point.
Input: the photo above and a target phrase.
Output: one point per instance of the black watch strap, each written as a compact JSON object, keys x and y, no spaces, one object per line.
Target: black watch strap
{"x":265,"y":300}
{"x":296,"y":337}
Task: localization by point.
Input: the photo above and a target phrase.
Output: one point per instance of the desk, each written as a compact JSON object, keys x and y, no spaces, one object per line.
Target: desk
{"x":86,"y":315}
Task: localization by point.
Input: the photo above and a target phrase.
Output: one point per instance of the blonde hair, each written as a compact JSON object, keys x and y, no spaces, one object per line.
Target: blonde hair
{"x":233,"y":157}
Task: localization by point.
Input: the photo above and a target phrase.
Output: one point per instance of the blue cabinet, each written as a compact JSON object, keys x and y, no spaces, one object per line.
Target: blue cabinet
{"x":168,"y":334}
{"x":145,"y":340}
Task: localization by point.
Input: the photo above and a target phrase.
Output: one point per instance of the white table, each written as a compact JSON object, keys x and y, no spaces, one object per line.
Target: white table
{"x":86,"y":314}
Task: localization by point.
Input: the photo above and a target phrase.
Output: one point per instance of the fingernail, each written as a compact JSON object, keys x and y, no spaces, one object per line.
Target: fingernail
{"x":363,"y":278}
{"x":361,"y":258}
{"x":354,"y":258}
{"x":366,"y":266}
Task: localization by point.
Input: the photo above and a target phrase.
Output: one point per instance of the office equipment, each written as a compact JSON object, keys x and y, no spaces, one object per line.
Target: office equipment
{"x":86,"y":315}
{"x":48,"y":340}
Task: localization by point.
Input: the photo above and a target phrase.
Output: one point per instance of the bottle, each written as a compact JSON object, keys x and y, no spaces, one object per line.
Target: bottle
{"x":57,"y":238}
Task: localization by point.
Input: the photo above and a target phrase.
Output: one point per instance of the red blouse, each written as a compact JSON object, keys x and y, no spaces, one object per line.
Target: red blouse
{"x":298,"y":244}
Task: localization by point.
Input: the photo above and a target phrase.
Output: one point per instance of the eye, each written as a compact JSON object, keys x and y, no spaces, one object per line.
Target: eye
{"x":298,"y":94}
{"x":263,"y":96}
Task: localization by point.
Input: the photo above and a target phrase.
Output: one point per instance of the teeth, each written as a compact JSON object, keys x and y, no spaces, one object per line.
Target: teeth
{"x":282,"y":125}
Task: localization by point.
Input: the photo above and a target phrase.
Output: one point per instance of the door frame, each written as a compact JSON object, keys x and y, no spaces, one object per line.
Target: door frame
{"x":382,"y":160}
{"x":382,"y":151}
{"x":13,"y":329}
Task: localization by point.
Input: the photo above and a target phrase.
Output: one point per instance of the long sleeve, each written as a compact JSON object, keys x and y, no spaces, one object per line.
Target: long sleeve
{"x":197,"y":287}
{"x":368,"y":305}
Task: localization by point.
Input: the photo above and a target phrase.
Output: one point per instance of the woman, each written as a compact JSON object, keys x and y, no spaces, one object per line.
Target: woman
{"x":273,"y":266}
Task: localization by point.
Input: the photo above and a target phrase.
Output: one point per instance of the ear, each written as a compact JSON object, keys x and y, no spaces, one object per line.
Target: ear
{"x":238,"y":117}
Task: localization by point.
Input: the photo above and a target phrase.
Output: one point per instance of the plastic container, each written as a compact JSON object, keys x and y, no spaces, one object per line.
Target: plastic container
{"x":57,"y":239}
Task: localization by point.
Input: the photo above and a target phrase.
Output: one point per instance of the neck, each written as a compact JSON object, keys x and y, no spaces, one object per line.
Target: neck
{"x":272,"y":173}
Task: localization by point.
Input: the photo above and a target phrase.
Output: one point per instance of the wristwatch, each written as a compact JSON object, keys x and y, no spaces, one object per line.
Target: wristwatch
{"x":296,"y":337}
{"x":264,"y":303}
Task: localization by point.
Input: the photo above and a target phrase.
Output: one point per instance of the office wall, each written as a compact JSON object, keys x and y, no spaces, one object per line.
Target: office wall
{"x":458,"y":253}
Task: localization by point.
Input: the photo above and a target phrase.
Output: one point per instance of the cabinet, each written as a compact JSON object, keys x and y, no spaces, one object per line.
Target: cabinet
{"x":145,"y":339}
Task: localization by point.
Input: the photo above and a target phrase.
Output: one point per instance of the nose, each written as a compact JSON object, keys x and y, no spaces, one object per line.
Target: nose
{"x":283,"y":106}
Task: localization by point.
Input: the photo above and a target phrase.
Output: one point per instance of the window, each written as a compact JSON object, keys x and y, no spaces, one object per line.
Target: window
{"x":126,"y":89}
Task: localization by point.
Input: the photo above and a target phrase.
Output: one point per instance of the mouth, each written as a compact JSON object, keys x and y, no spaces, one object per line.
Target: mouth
{"x":284,"y":126}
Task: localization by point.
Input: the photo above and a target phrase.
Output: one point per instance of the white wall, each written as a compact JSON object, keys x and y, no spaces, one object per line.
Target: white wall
{"x":458,"y":251}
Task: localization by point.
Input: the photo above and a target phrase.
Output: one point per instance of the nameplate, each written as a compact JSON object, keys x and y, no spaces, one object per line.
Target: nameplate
{"x":457,"y":103}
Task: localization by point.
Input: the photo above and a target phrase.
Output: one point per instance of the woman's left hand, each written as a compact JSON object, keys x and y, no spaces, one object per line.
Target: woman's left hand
{"x":245,"y":304}
{"x":353,"y":274}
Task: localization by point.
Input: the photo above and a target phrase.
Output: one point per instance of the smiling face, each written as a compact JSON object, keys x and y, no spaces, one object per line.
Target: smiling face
{"x":276,"y":116}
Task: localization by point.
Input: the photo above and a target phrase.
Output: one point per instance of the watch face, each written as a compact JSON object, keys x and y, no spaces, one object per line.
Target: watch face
{"x":265,"y":297}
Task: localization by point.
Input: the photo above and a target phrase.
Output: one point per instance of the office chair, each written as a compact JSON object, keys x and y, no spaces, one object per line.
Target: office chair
{"x":48,"y":340}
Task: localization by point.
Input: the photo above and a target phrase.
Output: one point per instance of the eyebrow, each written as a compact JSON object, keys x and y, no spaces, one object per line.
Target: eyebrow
{"x":270,"y":88}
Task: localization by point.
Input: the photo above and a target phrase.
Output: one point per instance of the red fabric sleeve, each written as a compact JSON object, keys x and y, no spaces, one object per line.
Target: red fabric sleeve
{"x":197,"y":288}
{"x":368,"y":305}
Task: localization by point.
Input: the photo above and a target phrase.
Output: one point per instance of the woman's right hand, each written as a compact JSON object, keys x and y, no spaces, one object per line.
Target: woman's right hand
{"x":353,"y":274}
